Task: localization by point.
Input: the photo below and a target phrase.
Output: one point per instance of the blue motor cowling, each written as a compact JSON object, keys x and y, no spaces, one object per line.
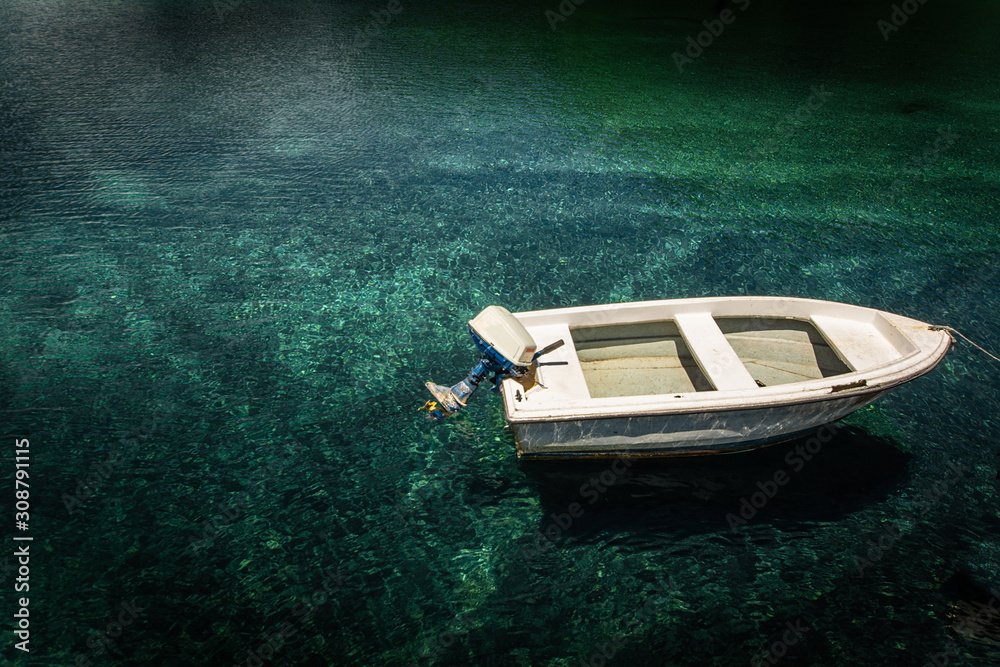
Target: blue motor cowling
{"x":507,"y":350}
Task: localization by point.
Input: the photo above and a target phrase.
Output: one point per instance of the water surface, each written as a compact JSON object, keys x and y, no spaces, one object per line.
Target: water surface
{"x":238,"y":237}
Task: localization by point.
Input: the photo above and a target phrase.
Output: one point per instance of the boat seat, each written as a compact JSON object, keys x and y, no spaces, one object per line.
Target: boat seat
{"x":560,"y":369}
{"x":859,"y":344}
{"x":715,"y":356}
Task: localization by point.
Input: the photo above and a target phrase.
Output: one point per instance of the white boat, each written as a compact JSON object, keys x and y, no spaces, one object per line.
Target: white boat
{"x":688,"y":376}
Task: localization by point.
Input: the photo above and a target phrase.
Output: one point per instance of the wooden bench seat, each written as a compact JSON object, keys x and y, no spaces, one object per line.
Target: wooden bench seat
{"x":859,"y":344}
{"x":713,"y":352}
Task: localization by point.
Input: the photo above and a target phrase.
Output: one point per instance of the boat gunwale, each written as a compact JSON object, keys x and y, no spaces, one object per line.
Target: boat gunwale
{"x":877,"y":390}
{"x":879,"y":379}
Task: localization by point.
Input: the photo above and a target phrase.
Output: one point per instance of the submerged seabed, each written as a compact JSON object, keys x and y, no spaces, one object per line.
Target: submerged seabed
{"x":237,"y":237}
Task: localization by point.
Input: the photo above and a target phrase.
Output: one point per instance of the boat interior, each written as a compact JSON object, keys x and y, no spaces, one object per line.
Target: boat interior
{"x":696,"y":352}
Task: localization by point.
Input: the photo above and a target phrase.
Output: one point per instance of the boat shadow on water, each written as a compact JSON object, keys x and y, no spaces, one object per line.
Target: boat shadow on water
{"x":792,"y":482}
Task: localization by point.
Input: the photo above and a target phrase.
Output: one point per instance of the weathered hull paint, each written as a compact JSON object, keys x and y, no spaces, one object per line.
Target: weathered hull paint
{"x":688,"y":434}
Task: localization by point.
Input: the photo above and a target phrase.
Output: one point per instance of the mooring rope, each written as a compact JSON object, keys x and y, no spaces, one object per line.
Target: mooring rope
{"x":950,"y":330}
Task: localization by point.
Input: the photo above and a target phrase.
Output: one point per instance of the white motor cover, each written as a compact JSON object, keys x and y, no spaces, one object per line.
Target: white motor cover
{"x":498,"y":327}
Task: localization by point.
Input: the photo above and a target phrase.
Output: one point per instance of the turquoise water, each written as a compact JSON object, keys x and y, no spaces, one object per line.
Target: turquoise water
{"x":238,"y":237}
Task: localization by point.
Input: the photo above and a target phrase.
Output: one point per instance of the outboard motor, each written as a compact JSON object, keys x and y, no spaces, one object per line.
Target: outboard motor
{"x":508,"y":351}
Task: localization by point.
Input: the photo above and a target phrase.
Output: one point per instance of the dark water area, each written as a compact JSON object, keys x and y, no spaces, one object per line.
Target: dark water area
{"x":236,"y":237}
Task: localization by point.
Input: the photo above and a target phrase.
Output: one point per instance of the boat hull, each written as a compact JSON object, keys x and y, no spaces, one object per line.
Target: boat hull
{"x":694,"y":434}
{"x":705,"y":376}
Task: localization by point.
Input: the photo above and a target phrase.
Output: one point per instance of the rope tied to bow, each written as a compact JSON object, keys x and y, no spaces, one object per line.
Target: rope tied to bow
{"x":951,"y":331}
